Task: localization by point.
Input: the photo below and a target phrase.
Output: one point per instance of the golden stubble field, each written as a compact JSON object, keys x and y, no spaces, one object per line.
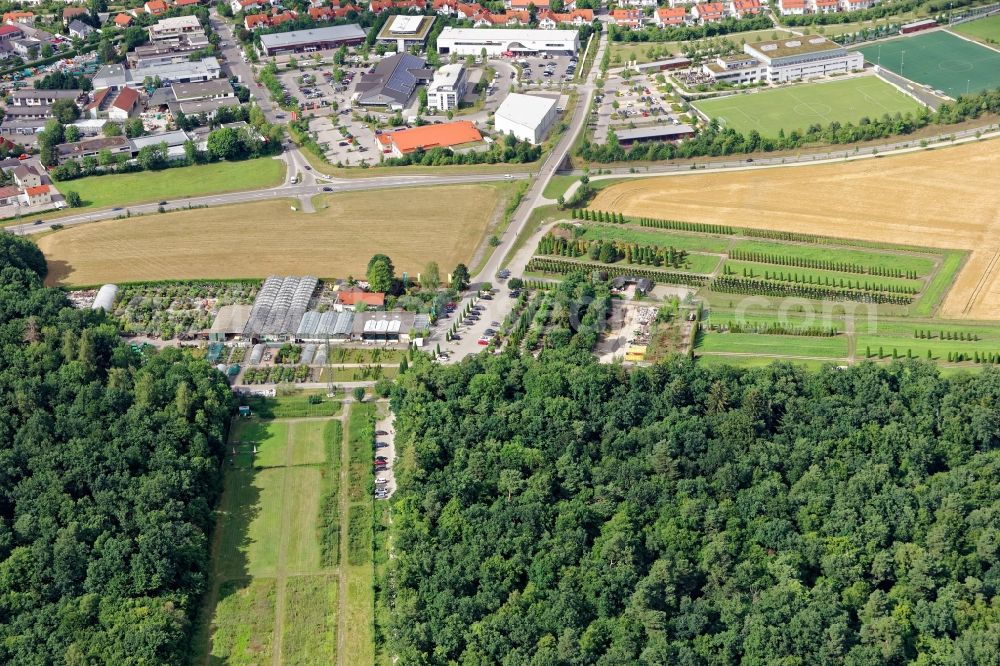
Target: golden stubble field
{"x":945,"y":198}
{"x":411,"y":225}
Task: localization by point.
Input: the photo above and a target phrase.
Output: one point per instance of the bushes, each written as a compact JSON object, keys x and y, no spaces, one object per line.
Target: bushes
{"x":560,"y":266}
{"x":776,"y":328}
{"x":609,"y":252}
{"x":749,"y":286}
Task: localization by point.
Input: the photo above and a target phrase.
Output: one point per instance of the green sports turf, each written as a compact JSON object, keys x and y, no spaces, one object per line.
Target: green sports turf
{"x":986,"y":30}
{"x":939,"y":60}
{"x":798,"y":107}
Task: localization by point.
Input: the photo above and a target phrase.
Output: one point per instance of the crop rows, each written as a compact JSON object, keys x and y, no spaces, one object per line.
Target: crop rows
{"x":560,"y":266}
{"x":745,"y":286}
{"x":822,"y":264}
{"x":826,"y":281}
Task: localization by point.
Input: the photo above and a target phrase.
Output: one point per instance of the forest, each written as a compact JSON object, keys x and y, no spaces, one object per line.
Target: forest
{"x":556,"y":511}
{"x":109,"y":474}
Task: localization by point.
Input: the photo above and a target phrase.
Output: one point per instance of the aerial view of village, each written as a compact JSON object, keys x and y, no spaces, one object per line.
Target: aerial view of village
{"x":504,"y":332}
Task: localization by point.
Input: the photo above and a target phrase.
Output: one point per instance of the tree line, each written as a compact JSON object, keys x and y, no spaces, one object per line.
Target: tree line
{"x":110,"y":476}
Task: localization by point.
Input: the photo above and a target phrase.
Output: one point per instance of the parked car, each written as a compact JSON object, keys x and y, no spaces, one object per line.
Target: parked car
{"x":381,"y":433}
{"x":483,"y":341}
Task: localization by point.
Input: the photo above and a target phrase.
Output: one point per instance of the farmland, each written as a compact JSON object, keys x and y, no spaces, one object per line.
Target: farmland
{"x":260,"y":239}
{"x":798,"y":107}
{"x":281,"y":590}
{"x":931,"y":199}
{"x":146,"y":186}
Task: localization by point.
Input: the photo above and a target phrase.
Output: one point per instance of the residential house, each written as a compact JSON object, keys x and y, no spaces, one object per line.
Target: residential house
{"x":668,"y":17}
{"x":410,"y":5}
{"x":744,"y":8}
{"x":709,"y":12}
{"x":10,"y":33}
{"x":627,"y":18}
{"x":186,"y":3}
{"x":78,"y":28}
{"x":123,"y":20}
{"x":26,"y":176}
{"x":445,"y":7}
{"x":24,"y":18}
{"x":792,"y":7}
{"x":855,"y":5}
{"x":523,"y":5}
{"x":38,"y":195}
{"x":10,"y":195}
{"x":155,"y":7}
{"x":255,"y":21}
{"x":549,"y":20}
{"x":246,"y":5}
{"x":468,"y":11}
{"x":348,"y":298}
{"x":379,"y":6}
{"x":824,"y":6}
{"x":637,"y":3}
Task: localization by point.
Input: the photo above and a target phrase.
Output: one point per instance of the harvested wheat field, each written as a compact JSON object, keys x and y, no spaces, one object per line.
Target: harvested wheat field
{"x":411,"y":225}
{"x":946,"y":198}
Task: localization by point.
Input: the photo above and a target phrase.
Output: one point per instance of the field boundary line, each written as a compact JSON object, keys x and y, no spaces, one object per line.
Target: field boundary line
{"x":974,"y":296}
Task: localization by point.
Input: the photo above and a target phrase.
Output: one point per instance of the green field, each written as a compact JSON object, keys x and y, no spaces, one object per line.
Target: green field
{"x":819,"y":277}
{"x":939,"y":60}
{"x":797,"y":107}
{"x":939,"y":284}
{"x":677,"y":239}
{"x":870,"y":259}
{"x":147,"y":186}
{"x":359,"y":567}
{"x":985,"y":29}
{"x":783,"y":345}
{"x":275,"y":577}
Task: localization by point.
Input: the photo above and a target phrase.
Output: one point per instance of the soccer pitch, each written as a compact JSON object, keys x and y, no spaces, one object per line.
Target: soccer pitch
{"x":985,"y":30}
{"x":797,"y":107}
{"x":939,"y":60}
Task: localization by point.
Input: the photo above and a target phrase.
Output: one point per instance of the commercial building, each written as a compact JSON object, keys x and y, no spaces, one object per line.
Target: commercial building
{"x":528,"y":117}
{"x":406,"y":31}
{"x":780,"y":61}
{"x":117,"y":77}
{"x":447,"y":135}
{"x":174,"y":28}
{"x":627,"y":137}
{"x":496,"y":41}
{"x":448,"y":88}
{"x":315,"y":39}
{"x":117,"y":105}
{"x":392,"y":81}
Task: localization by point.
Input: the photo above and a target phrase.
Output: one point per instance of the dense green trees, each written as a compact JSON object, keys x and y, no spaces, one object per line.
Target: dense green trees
{"x":110,"y":470}
{"x":563,"y":512}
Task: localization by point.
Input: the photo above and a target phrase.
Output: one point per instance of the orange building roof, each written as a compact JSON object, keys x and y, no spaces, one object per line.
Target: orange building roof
{"x":432,"y":136}
{"x":353,"y":297}
{"x":123,"y":20}
{"x":37,"y":189}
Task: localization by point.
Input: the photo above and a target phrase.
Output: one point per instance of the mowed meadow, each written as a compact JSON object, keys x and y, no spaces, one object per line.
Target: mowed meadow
{"x":412,"y":225}
{"x":943,"y":198}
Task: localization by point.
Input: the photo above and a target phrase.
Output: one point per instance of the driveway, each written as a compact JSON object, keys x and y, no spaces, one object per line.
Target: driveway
{"x":387,"y":424}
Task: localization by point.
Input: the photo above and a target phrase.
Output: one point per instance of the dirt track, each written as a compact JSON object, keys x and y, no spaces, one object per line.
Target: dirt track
{"x":948,"y":198}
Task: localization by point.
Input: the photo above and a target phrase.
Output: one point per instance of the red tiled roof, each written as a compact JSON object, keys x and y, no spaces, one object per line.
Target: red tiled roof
{"x":432,"y":136}
{"x":353,"y":297}
{"x":126,"y":99}
{"x":9,"y":30}
{"x":37,"y":189}
{"x":123,"y":20}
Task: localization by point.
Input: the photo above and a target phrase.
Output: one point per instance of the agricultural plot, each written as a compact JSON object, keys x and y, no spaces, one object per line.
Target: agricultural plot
{"x":275,"y":590}
{"x":773,"y":345}
{"x":940,"y":61}
{"x":266,"y":238}
{"x":931,"y":199}
{"x":798,"y":107}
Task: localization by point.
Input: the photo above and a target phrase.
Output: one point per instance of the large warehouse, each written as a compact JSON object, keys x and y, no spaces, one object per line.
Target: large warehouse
{"x":496,"y":41}
{"x":315,"y":39}
{"x":527,"y":117}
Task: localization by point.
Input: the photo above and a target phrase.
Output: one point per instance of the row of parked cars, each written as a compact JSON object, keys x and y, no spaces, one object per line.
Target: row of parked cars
{"x":381,"y":465}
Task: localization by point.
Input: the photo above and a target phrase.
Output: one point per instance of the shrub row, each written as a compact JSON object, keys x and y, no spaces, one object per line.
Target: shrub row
{"x":609,"y":252}
{"x":774,"y":328}
{"x":822,"y":264}
{"x":560,"y":266}
{"x":824,"y":281}
{"x":747,"y":286}
{"x":946,"y":335}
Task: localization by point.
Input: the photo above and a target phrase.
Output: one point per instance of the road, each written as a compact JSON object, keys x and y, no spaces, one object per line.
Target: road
{"x":497,"y":308}
{"x":310,"y":187}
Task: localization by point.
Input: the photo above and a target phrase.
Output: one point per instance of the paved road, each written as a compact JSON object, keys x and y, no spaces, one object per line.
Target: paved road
{"x":497,"y":308}
{"x":309,"y":188}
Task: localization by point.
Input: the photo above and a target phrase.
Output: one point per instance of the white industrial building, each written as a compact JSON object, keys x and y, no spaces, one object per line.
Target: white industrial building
{"x":447,"y":90}
{"x":527,"y":117}
{"x":498,"y":41}
{"x":783,"y":60}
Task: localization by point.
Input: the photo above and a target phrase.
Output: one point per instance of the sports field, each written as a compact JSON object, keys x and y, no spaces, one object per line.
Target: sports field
{"x":278,"y":588}
{"x":939,"y":60}
{"x":931,"y":198}
{"x":411,"y":225}
{"x":985,"y":30}
{"x":797,"y":107}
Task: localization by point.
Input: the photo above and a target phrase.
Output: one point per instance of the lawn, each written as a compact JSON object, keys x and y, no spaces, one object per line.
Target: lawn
{"x":557,"y":186}
{"x":146,"y":186}
{"x":797,"y":107}
{"x":358,"y":565}
{"x":298,"y":404}
{"x":903,"y":262}
{"x":940,"y":284}
{"x":939,"y":60}
{"x":985,"y":29}
{"x":264,"y":238}
{"x":679,"y":240}
{"x":277,"y":589}
{"x":781,"y":345}
{"x":758,"y":362}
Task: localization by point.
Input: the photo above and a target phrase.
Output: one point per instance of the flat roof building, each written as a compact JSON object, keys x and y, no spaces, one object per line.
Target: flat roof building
{"x":405,"y":31}
{"x":314,"y":39}
{"x":627,"y":137}
{"x":497,"y":41}
{"x":528,"y":117}
{"x":448,"y":88}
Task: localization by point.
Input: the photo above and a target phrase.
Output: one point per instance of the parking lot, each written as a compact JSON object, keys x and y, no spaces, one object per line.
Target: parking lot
{"x":639,"y":101}
{"x":547,"y":71}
